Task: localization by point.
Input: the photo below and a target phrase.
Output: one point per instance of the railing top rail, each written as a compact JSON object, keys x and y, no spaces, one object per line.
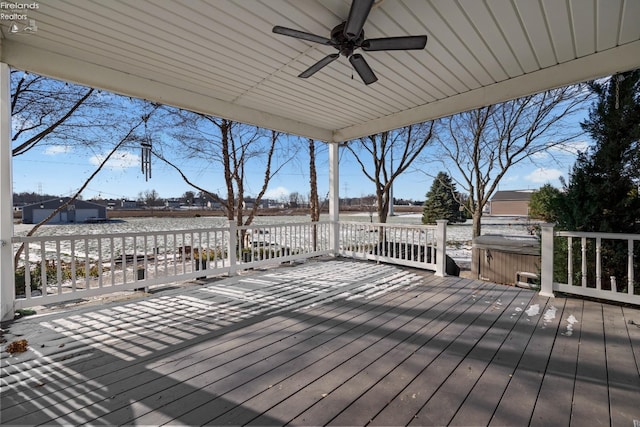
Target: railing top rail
{"x":53,"y":238}
{"x":282,"y":224}
{"x":389,"y":225}
{"x":593,"y":235}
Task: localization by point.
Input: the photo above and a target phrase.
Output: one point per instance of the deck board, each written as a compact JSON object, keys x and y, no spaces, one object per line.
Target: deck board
{"x":352,"y":343}
{"x":519,"y":398}
{"x":622,"y":368}
{"x":438,"y":359}
{"x":590,"y":399}
{"x":329,"y":342}
{"x":560,"y":374}
{"x":394,"y":333}
{"x":382,"y":379}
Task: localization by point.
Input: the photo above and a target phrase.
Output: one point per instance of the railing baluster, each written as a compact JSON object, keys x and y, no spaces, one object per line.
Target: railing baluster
{"x":58,"y":267}
{"x":156,"y":255}
{"x":124,"y":260}
{"x":598,"y":263}
{"x":630,"y":277}
{"x":113,"y":260}
{"x":584,"y":262}
{"x":146,"y":256}
{"x":43,"y":266}
{"x":99,"y":241}
{"x":570,"y":260}
{"x":73,"y":266}
{"x":27,"y":272}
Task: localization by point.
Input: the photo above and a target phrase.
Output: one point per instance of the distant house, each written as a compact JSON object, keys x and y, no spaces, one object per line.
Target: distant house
{"x":128,"y":204}
{"x":77,"y":211}
{"x":510,"y":203}
{"x":172,"y":204}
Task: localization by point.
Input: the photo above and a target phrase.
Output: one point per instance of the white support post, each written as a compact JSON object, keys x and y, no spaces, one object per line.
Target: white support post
{"x":546,"y":267}
{"x":233,"y":248}
{"x":334,"y":198}
{"x":441,"y":247}
{"x":7,"y":276}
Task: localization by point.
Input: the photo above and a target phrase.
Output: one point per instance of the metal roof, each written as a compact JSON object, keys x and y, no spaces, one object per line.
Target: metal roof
{"x":220,"y":57}
{"x":524,"y":195}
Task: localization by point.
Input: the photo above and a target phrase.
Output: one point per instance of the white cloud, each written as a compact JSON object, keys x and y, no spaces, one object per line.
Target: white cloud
{"x":57,"y":149}
{"x":540,"y":155}
{"x":117,"y":161}
{"x":543,"y":175}
{"x":573,"y":147}
{"x":276,"y":193}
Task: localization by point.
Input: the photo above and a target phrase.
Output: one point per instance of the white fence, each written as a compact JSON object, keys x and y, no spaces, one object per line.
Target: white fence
{"x":62,"y":268}
{"x":410,"y":245}
{"x":53,"y":269}
{"x":597,"y":265}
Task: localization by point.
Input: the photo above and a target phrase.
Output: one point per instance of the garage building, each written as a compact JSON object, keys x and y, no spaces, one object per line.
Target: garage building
{"x":511,"y":203}
{"x":76,"y":211}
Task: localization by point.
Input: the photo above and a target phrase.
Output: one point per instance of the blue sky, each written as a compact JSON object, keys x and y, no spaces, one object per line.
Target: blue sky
{"x":61,"y":170}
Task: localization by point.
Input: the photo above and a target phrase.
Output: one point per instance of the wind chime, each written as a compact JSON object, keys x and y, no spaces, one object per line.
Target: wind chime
{"x":145,"y":151}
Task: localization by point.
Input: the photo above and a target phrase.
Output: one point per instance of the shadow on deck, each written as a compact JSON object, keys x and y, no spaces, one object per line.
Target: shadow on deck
{"x":329,"y":342}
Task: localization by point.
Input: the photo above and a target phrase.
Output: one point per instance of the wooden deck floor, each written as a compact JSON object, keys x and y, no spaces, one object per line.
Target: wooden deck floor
{"x":329,"y":342}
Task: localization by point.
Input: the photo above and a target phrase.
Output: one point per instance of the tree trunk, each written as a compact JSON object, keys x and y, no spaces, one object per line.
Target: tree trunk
{"x":314,"y":203}
{"x":383,"y":204}
{"x":475,"y":232}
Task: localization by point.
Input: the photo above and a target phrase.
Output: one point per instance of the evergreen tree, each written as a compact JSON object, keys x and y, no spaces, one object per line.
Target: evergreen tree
{"x":543,"y":204}
{"x":602,"y":194}
{"x":441,"y":201}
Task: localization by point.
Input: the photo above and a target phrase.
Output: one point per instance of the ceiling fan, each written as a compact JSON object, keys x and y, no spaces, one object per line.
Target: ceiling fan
{"x":349,"y":36}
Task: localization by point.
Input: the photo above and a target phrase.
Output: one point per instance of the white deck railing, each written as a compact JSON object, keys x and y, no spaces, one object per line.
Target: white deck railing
{"x":266,"y":244}
{"x":589,"y":264}
{"x":62,"y":268}
{"x":79,"y":266}
{"x":420,"y":246}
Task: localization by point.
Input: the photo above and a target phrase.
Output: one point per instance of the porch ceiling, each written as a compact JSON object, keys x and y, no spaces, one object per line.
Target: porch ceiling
{"x":220,"y":57}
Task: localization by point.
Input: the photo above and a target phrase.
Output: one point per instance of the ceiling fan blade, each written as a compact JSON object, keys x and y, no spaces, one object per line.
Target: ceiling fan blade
{"x":319,"y":65}
{"x":363,"y":69}
{"x":357,"y":16}
{"x":301,"y":35}
{"x":395,"y":43}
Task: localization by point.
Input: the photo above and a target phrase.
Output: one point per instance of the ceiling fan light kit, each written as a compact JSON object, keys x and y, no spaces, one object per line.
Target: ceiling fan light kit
{"x":348,"y":36}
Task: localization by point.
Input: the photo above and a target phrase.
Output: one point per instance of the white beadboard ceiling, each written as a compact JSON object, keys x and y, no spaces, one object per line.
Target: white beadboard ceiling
{"x":220,"y":57}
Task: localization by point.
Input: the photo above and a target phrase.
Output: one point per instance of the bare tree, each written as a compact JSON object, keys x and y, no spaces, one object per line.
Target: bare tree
{"x":483,"y":144}
{"x":150,"y":198}
{"x":127,"y":138}
{"x":400,"y":146}
{"x":239,"y":148}
{"x":46,"y":111}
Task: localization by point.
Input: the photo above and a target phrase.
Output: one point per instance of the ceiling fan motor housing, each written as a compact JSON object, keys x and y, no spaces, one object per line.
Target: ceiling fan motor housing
{"x":341,"y":42}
